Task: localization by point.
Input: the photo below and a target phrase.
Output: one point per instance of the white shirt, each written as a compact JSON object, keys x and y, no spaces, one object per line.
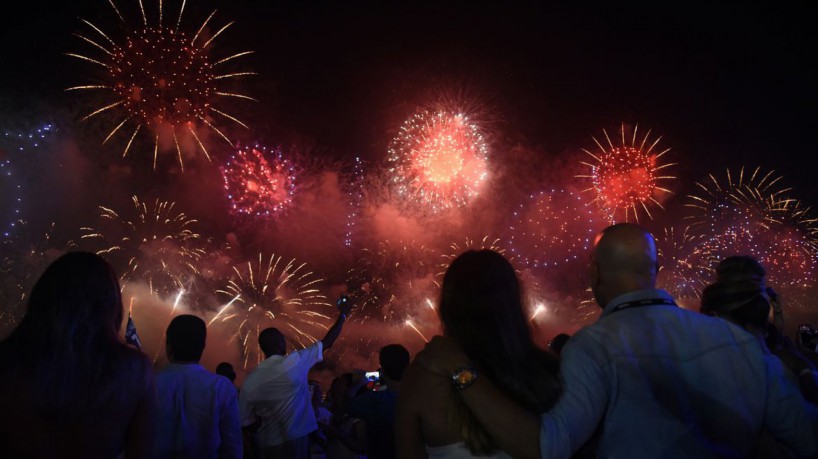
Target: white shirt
{"x":277,"y":394}
{"x":197,"y":414}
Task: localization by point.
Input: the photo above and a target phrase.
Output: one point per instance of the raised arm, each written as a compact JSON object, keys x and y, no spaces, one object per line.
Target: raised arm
{"x":344,"y":306}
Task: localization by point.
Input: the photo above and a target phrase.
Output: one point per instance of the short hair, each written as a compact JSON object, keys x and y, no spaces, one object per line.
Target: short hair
{"x":186,"y":337}
{"x":394,"y":359}
{"x":272,"y":342}
{"x":226,"y":369}
{"x":739,"y":267}
{"x":744,"y":302}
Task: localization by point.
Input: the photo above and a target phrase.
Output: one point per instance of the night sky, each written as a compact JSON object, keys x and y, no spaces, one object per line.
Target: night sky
{"x":725,"y":85}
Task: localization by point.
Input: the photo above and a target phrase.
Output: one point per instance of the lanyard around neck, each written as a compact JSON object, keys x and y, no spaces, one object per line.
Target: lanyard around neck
{"x":646,"y":302}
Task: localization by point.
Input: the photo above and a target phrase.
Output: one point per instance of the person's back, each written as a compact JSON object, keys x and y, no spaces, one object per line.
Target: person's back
{"x":668,"y":382}
{"x":377,"y":408}
{"x":83,"y":394}
{"x":698,"y":384}
{"x":279,"y":395}
{"x":197,"y":415}
{"x":275,"y":397}
{"x":481,"y":311}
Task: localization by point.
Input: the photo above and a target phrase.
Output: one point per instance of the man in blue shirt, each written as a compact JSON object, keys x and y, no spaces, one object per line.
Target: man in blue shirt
{"x":197,"y":414}
{"x":663,"y":381}
{"x":377,"y":408}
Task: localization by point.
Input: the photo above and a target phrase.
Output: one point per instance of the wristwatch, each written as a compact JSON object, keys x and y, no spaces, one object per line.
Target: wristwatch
{"x":464,"y":377}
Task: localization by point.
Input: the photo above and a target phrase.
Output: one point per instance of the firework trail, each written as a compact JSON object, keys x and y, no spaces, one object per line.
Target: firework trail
{"x":161,"y":78}
{"x":439,"y":160}
{"x":391,"y":281}
{"x":153,"y":243}
{"x":272,"y":292}
{"x":625,"y":177}
{"x":552,"y":228}
{"x":259,"y":182}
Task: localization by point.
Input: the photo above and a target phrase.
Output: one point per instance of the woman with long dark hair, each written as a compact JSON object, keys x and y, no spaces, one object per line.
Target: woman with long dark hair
{"x":69,"y":386}
{"x":481,"y":309}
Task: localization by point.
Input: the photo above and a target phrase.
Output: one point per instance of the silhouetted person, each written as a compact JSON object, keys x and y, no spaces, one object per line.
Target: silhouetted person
{"x":377,"y":408}
{"x":741,"y":296}
{"x":226,"y":369}
{"x":69,"y":386}
{"x":276,"y":396}
{"x":198,"y":415}
{"x":483,"y":318}
{"x":665,"y":382}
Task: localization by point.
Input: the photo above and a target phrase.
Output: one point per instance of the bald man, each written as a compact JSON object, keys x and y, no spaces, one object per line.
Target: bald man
{"x":660,"y":380}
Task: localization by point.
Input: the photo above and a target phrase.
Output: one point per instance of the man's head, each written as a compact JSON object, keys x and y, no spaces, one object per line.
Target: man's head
{"x":394,"y":359}
{"x":186,"y":337}
{"x":226,"y":369}
{"x":623,"y":260}
{"x":272,"y":342}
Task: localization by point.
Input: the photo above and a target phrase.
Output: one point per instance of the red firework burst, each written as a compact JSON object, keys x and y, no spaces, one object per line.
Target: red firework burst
{"x":626,"y":177}
{"x":439,"y":159}
{"x":258,"y":186}
{"x":161,"y":78}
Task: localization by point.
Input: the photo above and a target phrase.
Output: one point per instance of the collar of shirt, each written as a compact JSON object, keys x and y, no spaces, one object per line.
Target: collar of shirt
{"x":637,"y":295}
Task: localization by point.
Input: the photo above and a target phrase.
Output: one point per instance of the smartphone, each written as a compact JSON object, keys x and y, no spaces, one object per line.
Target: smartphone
{"x":372,"y":375}
{"x":342,"y":301}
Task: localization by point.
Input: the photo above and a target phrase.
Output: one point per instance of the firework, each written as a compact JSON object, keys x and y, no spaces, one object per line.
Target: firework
{"x":551,"y":228}
{"x":23,"y":257}
{"x":391,"y":281}
{"x":11,"y":190}
{"x":153,"y":243}
{"x":259,"y":182}
{"x":752,"y":214}
{"x":272,"y":292}
{"x":685,"y":264}
{"x":22,"y":141}
{"x":439,"y":159}
{"x":160,"y":78}
{"x":12,"y":197}
{"x":791,"y":256}
{"x":626,"y":177}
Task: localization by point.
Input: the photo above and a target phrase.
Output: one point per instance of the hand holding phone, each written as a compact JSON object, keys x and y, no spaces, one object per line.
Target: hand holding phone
{"x":344,"y":305}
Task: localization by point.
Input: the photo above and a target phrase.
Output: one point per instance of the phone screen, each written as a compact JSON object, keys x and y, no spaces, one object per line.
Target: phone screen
{"x":373,"y":375}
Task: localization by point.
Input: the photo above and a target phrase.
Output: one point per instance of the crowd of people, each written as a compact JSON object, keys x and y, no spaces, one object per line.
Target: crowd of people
{"x":647,"y":379}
